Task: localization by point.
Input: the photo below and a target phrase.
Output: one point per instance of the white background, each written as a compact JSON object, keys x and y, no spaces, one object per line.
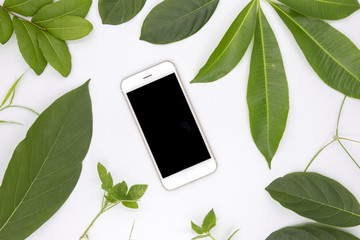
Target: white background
{"x":236,"y":189}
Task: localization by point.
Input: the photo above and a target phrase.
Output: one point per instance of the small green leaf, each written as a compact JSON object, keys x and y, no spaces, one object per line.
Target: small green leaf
{"x":200,"y":237}
{"x":119,"y":191}
{"x":196,"y":228}
{"x":105,"y":177}
{"x":26,"y":35}
{"x":115,"y":12}
{"x":11,"y":90}
{"x":62,"y":8}
{"x":330,"y":10}
{"x":136,"y":192}
{"x":209,"y":221}
{"x":174,"y":20}
{"x":6,"y":27}
{"x":26,"y":7}
{"x":231,"y":48}
{"x":56,"y":52}
{"x":109,"y":198}
{"x":68,"y":27}
{"x":317,"y":197}
{"x":132,"y":205}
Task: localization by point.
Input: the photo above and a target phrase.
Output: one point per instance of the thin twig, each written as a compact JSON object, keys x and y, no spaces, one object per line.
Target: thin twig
{"x":349,"y":154}
{"x":132,"y":229}
{"x":23,"y":19}
{"x":312,"y":160}
{"x":338,"y":121}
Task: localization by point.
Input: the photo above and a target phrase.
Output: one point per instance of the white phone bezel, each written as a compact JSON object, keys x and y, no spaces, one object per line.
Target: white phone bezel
{"x":187,"y":175}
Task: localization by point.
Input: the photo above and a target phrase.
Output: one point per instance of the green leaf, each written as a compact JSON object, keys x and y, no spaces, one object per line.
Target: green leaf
{"x":316,"y":197}
{"x":231,"y":48}
{"x":26,"y":7}
{"x":46,"y":165}
{"x":56,"y":52}
{"x":267,"y":94}
{"x":2,"y":121}
{"x":200,"y":237}
{"x":68,"y":27}
{"x":330,"y":53}
{"x":110,"y":199}
{"x":26,"y":35}
{"x":62,"y":8}
{"x":119,"y":191}
{"x":136,"y":192}
{"x":196,"y":228}
{"x":105,"y":177}
{"x":174,"y":20}
{"x":209,"y":221}
{"x":132,"y":205}
{"x":232,"y":235}
{"x":331,"y":10}
{"x":115,"y":12}
{"x":6,"y":27}
{"x":310,"y":232}
{"x":11,"y":90}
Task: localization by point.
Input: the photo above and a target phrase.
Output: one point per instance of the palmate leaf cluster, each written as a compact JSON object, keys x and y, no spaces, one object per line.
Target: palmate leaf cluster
{"x":43,"y":39}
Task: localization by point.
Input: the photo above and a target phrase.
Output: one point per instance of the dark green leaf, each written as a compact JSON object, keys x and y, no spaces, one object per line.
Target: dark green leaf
{"x":119,"y":191}
{"x":267,"y":94}
{"x":46,"y":165}
{"x":200,"y":237}
{"x":132,"y":205}
{"x":330,"y":53}
{"x":105,"y":177}
{"x":26,"y":7}
{"x":56,"y":52}
{"x":11,"y":90}
{"x":174,"y":20}
{"x":316,"y":197}
{"x":232,"y":235}
{"x":62,"y":8}
{"x":331,"y":10}
{"x":6,"y":27}
{"x":209,"y":221}
{"x":115,"y":12}
{"x":310,"y":232}
{"x":196,"y":228}
{"x":26,"y":35}
{"x":231,"y":48}
{"x":136,"y":192}
{"x":68,"y":27}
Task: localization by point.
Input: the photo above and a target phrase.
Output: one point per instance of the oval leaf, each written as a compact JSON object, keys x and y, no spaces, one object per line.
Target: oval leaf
{"x":26,"y":7}
{"x":174,"y":20}
{"x":56,"y":52}
{"x":231,"y":48}
{"x":330,"y":53}
{"x":46,"y":165}
{"x":316,"y":197}
{"x":6,"y":27}
{"x":310,"y":232}
{"x":209,"y":221}
{"x":331,"y":10}
{"x":68,"y":27}
{"x":62,"y":8}
{"x":119,"y":11}
{"x":267,"y":93}
{"x":26,"y":35}
{"x":196,"y":228}
{"x":132,"y":205}
{"x":136,"y":192}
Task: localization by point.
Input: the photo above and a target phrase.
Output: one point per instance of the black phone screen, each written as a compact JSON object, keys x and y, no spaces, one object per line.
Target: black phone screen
{"x":169,"y":126}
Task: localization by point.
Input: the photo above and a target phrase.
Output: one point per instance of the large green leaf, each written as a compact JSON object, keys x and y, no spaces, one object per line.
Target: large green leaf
{"x":316,"y":197}
{"x":115,"y":12}
{"x":332,"y":10}
{"x":330,"y":53}
{"x":68,"y":27}
{"x":56,"y":52}
{"x":174,"y":20}
{"x":267,"y":94}
{"x":62,"y":8}
{"x":310,"y":232}
{"x":6,"y":27}
{"x":231,"y":48}
{"x":26,"y":35}
{"x":46,"y":165}
{"x":26,"y":7}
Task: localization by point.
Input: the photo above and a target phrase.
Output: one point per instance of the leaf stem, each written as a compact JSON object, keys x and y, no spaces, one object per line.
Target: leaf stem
{"x":19,"y":106}
{"x":24,"y":19}
{"x":338,"y":121}
{"x":132,"y":229}
{"x":91,"y":224}
{"x":312,"y":160}
{"x":209,"y":235}
{"x":348,"y":154}
{"x":347,"y":139}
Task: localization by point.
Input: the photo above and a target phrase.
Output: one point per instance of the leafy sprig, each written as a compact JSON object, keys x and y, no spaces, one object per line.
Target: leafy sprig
{"x":115,"y":194}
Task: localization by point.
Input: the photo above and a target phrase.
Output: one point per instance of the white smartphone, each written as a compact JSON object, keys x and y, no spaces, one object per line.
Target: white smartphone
{"x":168,"y":125}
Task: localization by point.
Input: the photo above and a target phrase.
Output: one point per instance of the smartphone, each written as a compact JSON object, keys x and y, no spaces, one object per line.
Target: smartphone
{"x":168,"y":125}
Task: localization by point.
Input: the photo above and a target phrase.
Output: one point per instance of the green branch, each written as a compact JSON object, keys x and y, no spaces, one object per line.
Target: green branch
{"x":23,"y":19}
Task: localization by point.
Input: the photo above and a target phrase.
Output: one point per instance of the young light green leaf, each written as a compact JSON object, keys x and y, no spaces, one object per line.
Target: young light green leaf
{"x":62,"y":8}
{"x":68,"y":27}
{"x":132,"y":205}
{"x":310,"y":232}
{"x":115,"y":12}
{"x":136,"y":192}
{"x":330,"y":53}
{"x":196,"y":228}
{"x":46,"y":165}
{"x":209,"y":221}
{"x":105,"y":177}
{"x":331,"y":10}
{"x":234,"y":233}
{"x":200,"y":237}
{"x":119,"y":191}
{"x":26,"y":35}
{"x":6,"y":27}
{"x":267,"y":94}
{"x":231,"y":48}
{"x":11,"y":90}
{"x":316,"y":197}
{"x":174,"y":20}
{"x":26,"y":7}
{"x":56,"y":52}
